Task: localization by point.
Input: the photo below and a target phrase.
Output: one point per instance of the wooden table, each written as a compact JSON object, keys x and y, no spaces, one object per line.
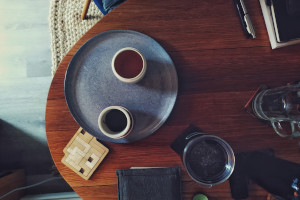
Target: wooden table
{"x":218,"y":70}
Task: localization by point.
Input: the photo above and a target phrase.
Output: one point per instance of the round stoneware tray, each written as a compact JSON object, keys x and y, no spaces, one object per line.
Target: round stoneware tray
{"x":90,"y":85}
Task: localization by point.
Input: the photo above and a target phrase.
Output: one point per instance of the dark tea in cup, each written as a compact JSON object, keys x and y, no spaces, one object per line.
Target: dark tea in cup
{"x":129,"y":65}
{"x":115,"y":122}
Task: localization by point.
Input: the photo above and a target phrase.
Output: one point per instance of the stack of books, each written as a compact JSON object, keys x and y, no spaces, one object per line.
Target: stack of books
{"x":282,"y":19}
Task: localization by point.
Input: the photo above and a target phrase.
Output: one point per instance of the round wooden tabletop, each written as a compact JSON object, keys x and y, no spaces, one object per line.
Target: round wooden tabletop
{"x":218,"y":71}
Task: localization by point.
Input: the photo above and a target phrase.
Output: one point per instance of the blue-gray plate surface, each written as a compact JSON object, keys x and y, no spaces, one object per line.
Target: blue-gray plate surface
{"x":90,"y":85}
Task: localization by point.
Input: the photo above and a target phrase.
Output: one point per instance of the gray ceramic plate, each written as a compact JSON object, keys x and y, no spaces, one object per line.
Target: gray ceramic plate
{"x":90,"y":85}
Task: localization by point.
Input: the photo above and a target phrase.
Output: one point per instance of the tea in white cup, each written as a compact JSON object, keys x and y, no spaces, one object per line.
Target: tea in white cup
{"x":115,"y":122}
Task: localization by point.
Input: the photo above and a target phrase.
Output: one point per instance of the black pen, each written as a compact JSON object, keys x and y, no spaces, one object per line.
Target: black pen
{"x":245,"y":19}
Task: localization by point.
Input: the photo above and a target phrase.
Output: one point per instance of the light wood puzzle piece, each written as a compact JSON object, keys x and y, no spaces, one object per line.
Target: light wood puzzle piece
{"x":83,"y":154}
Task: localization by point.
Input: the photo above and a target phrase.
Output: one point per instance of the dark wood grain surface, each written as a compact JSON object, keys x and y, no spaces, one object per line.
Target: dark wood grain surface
{"x":218,"y":70}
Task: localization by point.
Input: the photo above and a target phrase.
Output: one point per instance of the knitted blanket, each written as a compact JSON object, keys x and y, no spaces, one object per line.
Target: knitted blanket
{"x":66,"y":27}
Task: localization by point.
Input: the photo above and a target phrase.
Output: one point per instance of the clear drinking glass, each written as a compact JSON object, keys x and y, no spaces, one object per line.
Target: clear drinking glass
{"x":280,"y":106}
{"x":208,"y":159}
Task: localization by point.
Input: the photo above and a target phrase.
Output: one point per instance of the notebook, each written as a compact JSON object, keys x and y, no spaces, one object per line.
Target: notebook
{"x":287,"y":27}
{"x":281,"y":33}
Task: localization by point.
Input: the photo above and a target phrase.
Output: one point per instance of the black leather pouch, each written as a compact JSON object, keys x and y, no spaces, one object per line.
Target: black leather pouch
{"x":150,"y":183}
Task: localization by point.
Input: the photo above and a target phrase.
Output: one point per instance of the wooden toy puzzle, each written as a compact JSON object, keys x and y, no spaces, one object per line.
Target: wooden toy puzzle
{"x":83,"y":154}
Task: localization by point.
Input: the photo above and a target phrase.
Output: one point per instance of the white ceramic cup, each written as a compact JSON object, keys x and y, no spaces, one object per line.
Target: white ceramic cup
{"x":115,"y":122}
{"x":129,"y":65}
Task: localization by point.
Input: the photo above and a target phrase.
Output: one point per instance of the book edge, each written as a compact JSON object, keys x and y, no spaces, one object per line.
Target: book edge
{"x":273,"y":15}
{"x":269,"y":25}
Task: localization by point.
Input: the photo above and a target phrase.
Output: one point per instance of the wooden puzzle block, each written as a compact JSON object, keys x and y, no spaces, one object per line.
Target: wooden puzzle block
{"x":83,"y":154}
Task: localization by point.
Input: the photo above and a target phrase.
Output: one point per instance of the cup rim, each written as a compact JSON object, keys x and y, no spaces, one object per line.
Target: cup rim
{"x":105,"y":130}
{"x":133,"y":79}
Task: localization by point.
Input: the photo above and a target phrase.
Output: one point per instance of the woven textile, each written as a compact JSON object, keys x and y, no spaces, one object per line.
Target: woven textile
{"x":66,"y":27}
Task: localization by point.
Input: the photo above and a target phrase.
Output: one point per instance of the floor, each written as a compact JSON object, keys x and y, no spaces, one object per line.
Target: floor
{"x":25,"y":71}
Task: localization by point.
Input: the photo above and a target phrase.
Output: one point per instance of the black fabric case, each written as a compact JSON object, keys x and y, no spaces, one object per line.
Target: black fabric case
{"x":151,"y":183}
{"x":273,"y":174}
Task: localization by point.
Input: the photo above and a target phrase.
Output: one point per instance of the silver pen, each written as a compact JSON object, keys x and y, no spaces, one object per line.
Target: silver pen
{"x":245,"y":19}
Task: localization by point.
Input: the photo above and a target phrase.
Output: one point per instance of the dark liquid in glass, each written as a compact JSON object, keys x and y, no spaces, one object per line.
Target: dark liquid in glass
{"x":207,"y":160}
